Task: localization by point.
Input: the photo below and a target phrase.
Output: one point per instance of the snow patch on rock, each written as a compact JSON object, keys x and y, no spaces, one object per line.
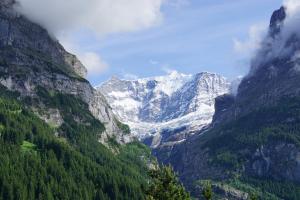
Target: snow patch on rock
{"x":166,"y":108}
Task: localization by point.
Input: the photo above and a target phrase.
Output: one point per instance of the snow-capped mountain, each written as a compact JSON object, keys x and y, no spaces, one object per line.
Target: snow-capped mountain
{"x":165,"y":110}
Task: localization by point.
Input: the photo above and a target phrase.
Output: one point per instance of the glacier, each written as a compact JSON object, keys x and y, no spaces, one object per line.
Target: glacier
{"x":165,"y":110}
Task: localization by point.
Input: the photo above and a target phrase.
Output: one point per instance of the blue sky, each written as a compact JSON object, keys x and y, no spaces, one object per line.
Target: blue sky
{"x":193,"y":37}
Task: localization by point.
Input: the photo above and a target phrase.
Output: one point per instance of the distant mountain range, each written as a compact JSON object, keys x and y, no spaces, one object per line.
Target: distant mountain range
{"x":243,"y":136}
{"x":165,"y":110}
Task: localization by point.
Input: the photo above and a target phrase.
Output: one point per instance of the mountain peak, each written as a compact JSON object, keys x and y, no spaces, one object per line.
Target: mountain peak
{"x":114,"y":78}
{"x":175,"y":74}
{"x":277,"y":19}
{"x":32,"y":61}
{"x":7,"y":8}
{"x":206,"y":74}
{"x":156,"y":106}
{"x":31,"y":38}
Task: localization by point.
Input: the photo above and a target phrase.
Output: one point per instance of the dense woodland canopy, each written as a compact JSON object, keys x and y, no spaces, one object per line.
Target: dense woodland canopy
{"x":37,"y":165}
{"x":271,"y":125}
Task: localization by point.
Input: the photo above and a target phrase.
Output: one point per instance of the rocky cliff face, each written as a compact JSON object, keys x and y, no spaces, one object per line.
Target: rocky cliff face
{"x":30,"y":59}
{"x":254,"y":133}
{"x":274,"y":72}
{"x":4,"y":4}
{"x":164,"y":111}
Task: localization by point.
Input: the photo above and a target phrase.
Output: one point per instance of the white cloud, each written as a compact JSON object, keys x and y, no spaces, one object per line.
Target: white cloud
{"x":167,"y":69}
{"x":129,"y":76}
{"x":90,"y":59}
{"x":100,"y":16}
{"x":291,"y":23}
{"x":277,"y":46}
{"x":93,"y":62}
{"x":64,"y":17}
{"x":253,"y":42}
{"x":292,"y":6}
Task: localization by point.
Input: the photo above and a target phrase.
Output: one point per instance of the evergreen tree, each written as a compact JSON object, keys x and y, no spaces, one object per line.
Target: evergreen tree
{"x":165,"y":185}
{"x":253,"y":197}
{"x":36,"y":164}
{"x":207,"y":190}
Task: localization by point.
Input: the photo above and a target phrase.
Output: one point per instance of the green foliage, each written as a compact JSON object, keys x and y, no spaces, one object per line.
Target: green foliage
{"x":138,"y":153}
{"x":207,"y":190}
{"x":232,"y":187}
{"x":227,"y":159}
{"x":234,"y":143}
{"x":113,"y":144}
{"x":49,"y":64}
{"x":79,"y":124}
{"x":165,"y":186}
{"x":278,"y":123}
{"x":253,"y":197}
{"x":124,"y":127}
{"x":28,"y":147}
{"x":282,"y":189}
{"x":37,"y":165}
{"x":253,"y":190}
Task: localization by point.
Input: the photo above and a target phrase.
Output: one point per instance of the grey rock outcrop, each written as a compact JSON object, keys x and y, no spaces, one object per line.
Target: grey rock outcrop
{"x":76,"y":65}
{"x":276,"y":21}
{"x":6,"y":4}
{"x":31,"y":58}
{"x":280,"y":160}
{"x":102,"y":111}
{"x":273,"y":74}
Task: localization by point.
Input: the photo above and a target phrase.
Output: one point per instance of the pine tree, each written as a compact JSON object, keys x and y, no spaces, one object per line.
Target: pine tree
{"x":253,"y":197}
{"x":165,"y":185}
{"x":207,"y":190}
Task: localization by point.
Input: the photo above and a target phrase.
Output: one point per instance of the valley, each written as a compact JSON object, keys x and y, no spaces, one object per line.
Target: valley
{"x":176,"y":136}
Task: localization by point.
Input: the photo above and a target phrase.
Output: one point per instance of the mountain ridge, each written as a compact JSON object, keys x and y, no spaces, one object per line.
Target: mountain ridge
{"x":59,"y":138}
{"x":165,"y":103}
{"x":31,"y":59}
{"x":254,"y":137}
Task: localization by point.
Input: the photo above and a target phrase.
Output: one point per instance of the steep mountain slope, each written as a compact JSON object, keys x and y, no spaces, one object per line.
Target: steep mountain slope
{"x":51,"y":122}
{"x":37,"y":164}
{"x":253,"y":143}
{"x":30,"y":59}
{"x":165,"y":110}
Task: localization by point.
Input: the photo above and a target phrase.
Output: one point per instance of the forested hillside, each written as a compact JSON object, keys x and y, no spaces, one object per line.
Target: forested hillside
{"x":37,"y":165}
{"x":58,"y":136}
{"x":253,"y":145}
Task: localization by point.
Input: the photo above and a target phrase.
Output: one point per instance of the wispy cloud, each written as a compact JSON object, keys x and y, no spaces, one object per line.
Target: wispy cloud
{"x":129,"y":76}
{"x":255,"y":36}
{"x":94,"y":63}
{"x":167,"y":69}
{"x":279,"y":46}
{"x":90,"y":59}
{"x":293,"y":6}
